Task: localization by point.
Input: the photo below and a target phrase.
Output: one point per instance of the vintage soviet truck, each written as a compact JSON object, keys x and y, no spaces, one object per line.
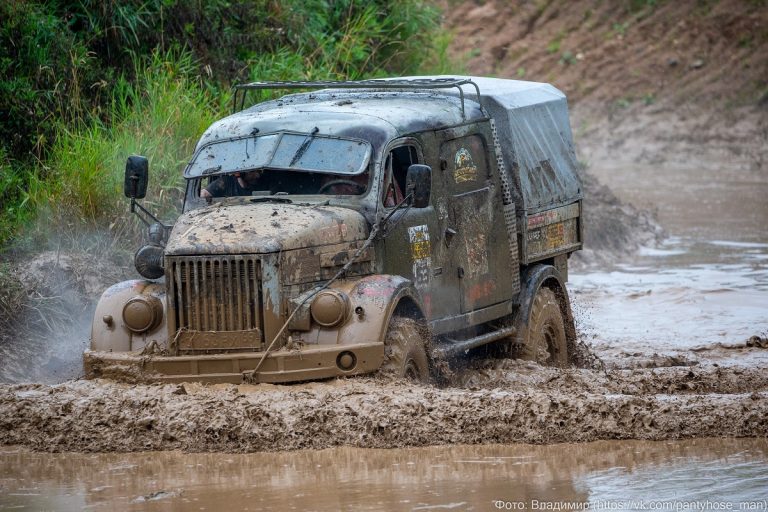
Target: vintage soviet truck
{"x":352,"y":227}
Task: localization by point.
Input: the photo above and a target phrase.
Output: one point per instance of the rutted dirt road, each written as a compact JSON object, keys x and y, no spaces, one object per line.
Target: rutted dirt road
{"x":517,"y":403}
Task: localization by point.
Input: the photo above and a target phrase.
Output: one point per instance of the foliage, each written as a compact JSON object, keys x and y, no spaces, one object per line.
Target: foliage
{"x":160,"y":113}
{"x":85,"y":83}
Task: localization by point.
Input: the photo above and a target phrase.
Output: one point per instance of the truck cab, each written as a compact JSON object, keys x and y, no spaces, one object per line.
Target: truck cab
{"x":361,"y":226}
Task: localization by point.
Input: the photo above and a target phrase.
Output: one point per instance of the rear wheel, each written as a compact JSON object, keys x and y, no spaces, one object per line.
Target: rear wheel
{"x":544,"y":338}
{"x":404,"y":353}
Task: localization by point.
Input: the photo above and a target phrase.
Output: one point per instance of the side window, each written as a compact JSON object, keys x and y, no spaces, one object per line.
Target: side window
{"x":396,"y":169}
{"x":464,"y":160}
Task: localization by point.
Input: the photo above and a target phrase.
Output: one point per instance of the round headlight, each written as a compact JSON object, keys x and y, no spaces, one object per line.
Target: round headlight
{"x":329,"y":308}
{"x":142,"y":313}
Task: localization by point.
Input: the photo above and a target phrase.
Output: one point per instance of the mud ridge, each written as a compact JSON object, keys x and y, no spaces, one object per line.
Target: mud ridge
{"x":573,"y":405}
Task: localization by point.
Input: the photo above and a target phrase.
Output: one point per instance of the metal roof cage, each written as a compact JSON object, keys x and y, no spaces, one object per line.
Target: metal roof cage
{"x":241,"y":90}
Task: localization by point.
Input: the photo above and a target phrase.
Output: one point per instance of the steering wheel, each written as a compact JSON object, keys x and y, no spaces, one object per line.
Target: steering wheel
{"x":333,"y":183}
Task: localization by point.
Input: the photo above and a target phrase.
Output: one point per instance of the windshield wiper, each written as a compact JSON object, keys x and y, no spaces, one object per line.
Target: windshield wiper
{"x":304,"y":146}
{"x":271,"y":199}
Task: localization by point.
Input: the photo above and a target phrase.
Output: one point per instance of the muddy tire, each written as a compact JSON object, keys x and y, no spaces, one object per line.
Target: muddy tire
{"x":404,"y":353}
{"x":544,"y":339}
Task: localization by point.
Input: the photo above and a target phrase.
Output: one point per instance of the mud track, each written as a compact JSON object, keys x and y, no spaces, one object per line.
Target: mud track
{"x":514,"y":403}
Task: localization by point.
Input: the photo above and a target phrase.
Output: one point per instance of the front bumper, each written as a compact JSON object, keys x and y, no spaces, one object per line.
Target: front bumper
{"x":281,"y":366}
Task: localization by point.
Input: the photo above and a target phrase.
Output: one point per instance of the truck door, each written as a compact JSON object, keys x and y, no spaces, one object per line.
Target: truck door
{"x":413,"y":246}
{"x":478,"y":245}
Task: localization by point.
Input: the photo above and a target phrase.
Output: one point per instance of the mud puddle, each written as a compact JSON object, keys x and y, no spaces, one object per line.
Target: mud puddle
{"x":687,"y":300}
{"x":620,"y":475}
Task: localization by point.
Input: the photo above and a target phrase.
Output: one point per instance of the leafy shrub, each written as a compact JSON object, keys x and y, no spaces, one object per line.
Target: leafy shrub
{"x":85,"y":83}
{"x":160,"y":114}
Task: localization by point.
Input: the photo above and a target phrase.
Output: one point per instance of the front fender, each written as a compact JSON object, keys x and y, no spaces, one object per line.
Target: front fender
{"x":373,"y":300}
{"x":108,"y":331}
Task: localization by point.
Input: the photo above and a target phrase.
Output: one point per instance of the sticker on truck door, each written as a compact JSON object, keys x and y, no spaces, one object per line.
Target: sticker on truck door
{"x":421,"y":252}
{"x":464,"y":167}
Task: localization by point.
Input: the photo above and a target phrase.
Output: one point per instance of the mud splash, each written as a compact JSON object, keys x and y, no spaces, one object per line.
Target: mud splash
{"x":45,"y":341}
{"x":498,"y":405}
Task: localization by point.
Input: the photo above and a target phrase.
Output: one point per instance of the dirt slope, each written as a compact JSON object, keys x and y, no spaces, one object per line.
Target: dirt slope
{"x":621,"y":51}
{"x":649,"y":82}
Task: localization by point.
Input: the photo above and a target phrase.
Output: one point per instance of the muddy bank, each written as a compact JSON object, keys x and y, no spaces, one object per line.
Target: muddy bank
{"x":511,"y":404}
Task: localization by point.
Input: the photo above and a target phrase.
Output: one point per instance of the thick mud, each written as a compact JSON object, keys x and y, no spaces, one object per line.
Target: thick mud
{"x":509,"y":403}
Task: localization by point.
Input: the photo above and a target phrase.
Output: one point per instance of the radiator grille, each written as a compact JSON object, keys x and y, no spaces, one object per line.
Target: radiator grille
{"x":215,"y":294}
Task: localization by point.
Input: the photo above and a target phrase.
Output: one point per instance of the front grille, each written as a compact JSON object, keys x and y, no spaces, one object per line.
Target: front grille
{"x":215,"y":293}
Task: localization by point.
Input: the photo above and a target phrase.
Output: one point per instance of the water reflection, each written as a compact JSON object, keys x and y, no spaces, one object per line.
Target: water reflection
{"x":434,"y":478}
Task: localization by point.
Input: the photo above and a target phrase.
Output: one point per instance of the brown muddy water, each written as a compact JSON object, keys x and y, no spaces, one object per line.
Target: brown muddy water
{"x":721,"y":474}
{"x":704,"y":290}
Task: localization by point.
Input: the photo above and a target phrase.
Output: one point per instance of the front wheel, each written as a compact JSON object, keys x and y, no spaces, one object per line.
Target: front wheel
{"x":544,"y":338}
{"x":404,"y":352}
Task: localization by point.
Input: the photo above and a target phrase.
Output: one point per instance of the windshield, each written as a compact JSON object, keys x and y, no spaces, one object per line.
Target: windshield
{"x":282,"y":151}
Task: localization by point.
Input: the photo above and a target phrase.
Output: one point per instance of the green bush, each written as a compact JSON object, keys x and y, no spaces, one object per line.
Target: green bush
{"x":160,"y":114}
{"x":15,"y":209}
{"x":84,"y":84}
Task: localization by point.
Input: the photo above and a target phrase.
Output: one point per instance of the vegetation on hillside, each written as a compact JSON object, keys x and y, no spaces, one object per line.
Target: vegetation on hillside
{"x":85,"y":84}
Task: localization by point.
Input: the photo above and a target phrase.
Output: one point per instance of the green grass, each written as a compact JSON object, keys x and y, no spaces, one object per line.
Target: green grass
{"x":107,"y":80}
{"x":161,"y":114}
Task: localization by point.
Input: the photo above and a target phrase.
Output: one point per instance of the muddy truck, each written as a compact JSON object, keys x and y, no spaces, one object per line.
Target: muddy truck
{"x":353,"y":227}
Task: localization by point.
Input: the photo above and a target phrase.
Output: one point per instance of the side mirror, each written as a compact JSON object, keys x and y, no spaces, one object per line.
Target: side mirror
{"x":136,"y":177}
{"x":418,"y":183}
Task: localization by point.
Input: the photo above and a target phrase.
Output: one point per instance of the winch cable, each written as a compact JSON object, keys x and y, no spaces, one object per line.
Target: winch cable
{"x":250,"y":376}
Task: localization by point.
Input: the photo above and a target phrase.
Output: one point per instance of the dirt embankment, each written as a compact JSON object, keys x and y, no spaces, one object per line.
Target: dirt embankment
{"x":710,"y":53}
{"x":674,"y":84}
{"x":516,"y":403}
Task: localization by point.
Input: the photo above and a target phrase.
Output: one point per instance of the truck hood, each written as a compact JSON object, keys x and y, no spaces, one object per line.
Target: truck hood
{"x":263,"y":228}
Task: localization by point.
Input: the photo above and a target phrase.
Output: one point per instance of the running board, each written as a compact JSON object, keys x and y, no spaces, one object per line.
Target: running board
{"x":452,"y":348}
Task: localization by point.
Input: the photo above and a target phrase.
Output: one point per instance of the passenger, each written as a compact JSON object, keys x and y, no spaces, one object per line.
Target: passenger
{"x":237,"y":184}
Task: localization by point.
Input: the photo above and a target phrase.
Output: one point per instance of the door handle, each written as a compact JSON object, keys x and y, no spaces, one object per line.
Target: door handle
{"x":449,"y":234}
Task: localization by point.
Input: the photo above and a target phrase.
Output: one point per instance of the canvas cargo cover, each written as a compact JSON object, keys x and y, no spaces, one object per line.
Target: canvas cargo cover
{"x":535,"y":138}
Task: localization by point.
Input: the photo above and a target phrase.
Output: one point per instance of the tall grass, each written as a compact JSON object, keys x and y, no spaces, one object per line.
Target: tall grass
{"x":369,"y":40}
{"x":159,"y":114}
{"x":109,"y":79}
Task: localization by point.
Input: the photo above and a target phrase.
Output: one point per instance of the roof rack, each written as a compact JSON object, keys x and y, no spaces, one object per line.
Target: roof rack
{"x":375,"y":84}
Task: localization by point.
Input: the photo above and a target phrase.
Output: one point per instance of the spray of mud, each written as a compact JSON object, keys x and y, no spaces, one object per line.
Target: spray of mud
{"x":45,"y":339}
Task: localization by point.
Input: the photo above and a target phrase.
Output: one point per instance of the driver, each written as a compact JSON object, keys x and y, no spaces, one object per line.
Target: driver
{"x":237,"y":184}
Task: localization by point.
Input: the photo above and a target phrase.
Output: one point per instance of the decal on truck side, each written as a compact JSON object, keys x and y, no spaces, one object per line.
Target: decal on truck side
{"x":421,"y":252}
{"x":465,"y":168}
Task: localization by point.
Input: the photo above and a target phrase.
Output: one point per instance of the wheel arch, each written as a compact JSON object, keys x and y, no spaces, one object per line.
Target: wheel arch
{"x":547,"y":276}
{"x":408,"y":306}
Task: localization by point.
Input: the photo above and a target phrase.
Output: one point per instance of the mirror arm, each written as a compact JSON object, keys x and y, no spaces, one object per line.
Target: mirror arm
{"x":383,"y":224}
{"x":142,"y":213}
